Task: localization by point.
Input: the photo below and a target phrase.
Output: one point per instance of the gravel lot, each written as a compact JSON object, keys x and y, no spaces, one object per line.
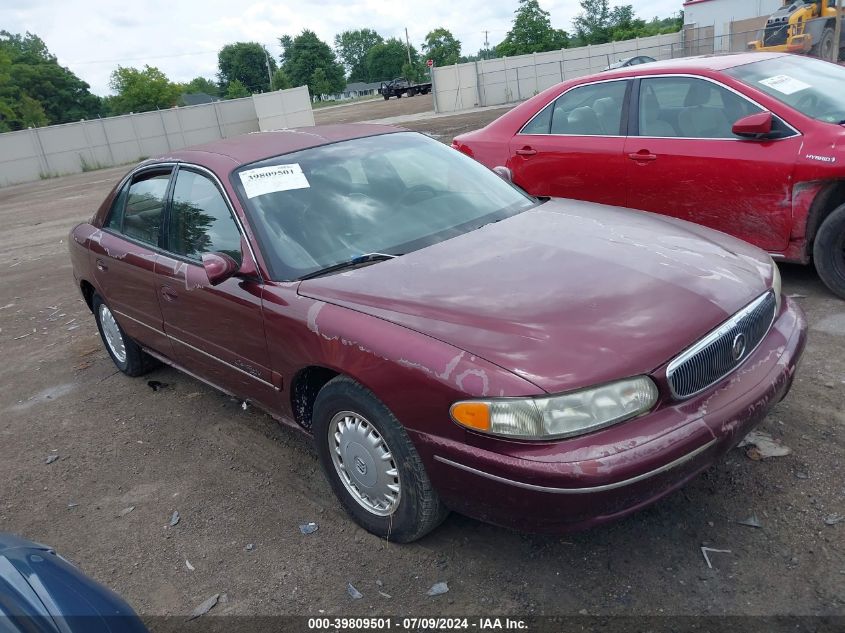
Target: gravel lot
{"x":237,"y":478}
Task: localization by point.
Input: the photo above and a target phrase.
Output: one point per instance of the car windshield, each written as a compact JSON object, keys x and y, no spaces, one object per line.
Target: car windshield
{"x":811,"y":86}
{"x":387,"y":194}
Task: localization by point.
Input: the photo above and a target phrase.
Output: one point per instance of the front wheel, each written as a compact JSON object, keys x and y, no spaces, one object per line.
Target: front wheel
{"x":829,"y":251}
{"x":127,"y":355}
{"x":372,"y":465}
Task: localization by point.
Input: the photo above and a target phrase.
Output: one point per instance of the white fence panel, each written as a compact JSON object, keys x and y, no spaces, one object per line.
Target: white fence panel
{"x":284,"y":109}
{"x":28,"y":155}
{"x":20,"y":157}
{"x":511,"y":79}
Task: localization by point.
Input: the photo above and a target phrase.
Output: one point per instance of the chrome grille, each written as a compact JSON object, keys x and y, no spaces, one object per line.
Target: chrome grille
{"x":715,"y":356}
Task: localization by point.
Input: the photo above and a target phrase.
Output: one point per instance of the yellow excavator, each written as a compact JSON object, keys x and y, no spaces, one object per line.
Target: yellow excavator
{"x":802,"y":26}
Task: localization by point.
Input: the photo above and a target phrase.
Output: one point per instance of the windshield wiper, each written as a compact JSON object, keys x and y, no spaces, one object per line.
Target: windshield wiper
{"x":350,"y":263}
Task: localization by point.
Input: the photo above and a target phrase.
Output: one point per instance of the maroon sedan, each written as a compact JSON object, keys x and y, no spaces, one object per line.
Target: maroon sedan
{"x":752,"y":145}
{"x":449,"y":341}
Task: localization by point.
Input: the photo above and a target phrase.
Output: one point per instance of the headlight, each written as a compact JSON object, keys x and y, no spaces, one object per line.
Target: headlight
{"x":776,"y":285}
{"x":564,"y":415}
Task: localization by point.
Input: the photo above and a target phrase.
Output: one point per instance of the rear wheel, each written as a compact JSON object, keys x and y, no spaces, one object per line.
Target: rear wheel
{"x":826,"y":46}
{"x":829,"y":251}
{"x":372,"y":465}
{"x":126,"y":353}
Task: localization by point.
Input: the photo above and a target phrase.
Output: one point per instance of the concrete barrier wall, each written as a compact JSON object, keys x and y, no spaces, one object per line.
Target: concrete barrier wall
{"x":511,"y":79}
{"x":71,"y":148}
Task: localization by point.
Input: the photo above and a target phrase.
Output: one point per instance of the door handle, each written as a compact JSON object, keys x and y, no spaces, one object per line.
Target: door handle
{"x":169,"y":293}
{"x":101,"y":265}
{"x":526,"y":151}
{"x":642,"y":156}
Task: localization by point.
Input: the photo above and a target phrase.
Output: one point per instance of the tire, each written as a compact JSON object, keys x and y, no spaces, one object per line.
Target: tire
{"x":130,"y":358}
{"x":386,"y":97}
{"x":825,"y":46}
{"x":829,"y":251}
{"x":347,"y":411}
{"x":398,"y":95}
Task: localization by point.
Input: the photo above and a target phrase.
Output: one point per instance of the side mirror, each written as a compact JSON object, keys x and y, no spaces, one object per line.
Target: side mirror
{"x":218,"y":267}
{"x":754,"y":126}
{"x":504,"y":173}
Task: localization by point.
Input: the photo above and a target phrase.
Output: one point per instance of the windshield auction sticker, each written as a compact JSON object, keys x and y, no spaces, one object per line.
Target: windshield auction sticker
{"x":264,"y":180}
{"x":785,"y":84}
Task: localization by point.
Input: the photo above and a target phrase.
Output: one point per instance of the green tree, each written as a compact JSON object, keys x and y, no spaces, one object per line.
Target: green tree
{"x":30,"y":72}
{"x":442,"y":47}
{"x":352,"y":48}
{"x":385,"y":61}
{"x":7,"y":112}
{"x":599,"y":22}
{"x":201,"y":84}
{"x":592,"y":25}
{"x":236,"y":90}
{"x":304,"y":55}
{"x":141,"y":90}
{"x":247,"y":62}
{"x":532,"y":32}
{"x":30,"y":112}
{"x":319,"y":84}
{"x":281,"y":81}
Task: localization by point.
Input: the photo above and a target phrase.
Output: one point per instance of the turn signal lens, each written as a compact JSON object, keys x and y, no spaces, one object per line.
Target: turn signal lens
{"x":475,"y":415}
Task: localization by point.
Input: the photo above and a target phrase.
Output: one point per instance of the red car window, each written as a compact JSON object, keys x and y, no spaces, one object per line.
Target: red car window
{"x":591,"y":110}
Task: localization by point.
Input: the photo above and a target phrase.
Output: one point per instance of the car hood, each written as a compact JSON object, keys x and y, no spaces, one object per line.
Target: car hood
{"x":565,"y":295}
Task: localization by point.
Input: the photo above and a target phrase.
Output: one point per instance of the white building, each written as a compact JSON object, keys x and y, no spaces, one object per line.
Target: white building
{"x":728,"y":22}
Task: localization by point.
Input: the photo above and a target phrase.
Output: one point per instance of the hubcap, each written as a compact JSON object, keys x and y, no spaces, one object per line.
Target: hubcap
{"x":364,"y":463}
{"x":111,"y":332}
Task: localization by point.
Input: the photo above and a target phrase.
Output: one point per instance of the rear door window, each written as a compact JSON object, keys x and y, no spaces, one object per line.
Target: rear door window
{"x":592,"y":110}
{"x":138,"y":209}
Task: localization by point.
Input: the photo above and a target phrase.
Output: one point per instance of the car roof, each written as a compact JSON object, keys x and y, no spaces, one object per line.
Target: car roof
{"x":248,"y":148}
{"x":694,"y":64}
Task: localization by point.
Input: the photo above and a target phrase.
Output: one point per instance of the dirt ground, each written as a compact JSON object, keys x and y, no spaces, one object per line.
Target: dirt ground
{"x":238,"y":479}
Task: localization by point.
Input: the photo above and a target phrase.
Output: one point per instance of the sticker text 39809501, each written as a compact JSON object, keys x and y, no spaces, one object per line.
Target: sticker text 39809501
{"x":264,"y":180}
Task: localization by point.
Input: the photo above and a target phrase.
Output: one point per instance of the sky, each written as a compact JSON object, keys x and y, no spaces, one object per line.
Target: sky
{"x":182,"y":37}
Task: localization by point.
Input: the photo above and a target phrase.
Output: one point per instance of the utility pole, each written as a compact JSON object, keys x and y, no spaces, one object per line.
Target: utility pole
{"x":408,"y":44}
{"x":486,"y":45}
{"x":837,"y":37}
{"x":267,"y":62}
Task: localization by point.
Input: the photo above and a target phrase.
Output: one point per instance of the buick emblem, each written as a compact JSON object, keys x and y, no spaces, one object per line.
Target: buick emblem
{"x":738,"y":346}
{"x":360,"y":465}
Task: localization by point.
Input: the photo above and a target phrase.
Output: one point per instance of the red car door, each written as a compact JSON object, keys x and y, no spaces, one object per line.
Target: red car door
{"x":573,"y":148}
{"x":217,"y":332}
{"x":124,"y":255}
{"x":684,"y":161}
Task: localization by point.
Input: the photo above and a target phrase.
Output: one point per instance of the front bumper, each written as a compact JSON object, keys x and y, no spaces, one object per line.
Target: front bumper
{"x":574,"y":484}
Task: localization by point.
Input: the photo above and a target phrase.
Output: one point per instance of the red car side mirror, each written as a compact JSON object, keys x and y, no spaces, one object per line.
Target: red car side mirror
{"x":219,"y":267}
{"x":754,"y":126}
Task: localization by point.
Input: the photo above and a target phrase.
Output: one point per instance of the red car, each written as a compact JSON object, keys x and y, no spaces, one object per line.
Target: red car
{"x":751,"y":144}
{"x":449,"y":341}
